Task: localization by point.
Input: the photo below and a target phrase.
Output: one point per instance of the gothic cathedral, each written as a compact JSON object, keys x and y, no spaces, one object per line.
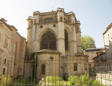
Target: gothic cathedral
{"x":54,"y":38}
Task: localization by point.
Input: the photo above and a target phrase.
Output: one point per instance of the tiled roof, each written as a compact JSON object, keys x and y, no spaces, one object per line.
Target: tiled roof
{"x":93,"y":49}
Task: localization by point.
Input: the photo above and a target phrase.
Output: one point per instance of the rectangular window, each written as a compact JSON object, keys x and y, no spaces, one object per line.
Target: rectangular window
{"x":3,"y":71}
{"x":14,"y":48}
{"x":0,"y":36}
{"x":48,"y":20}
{"x":6,"y":43}
{"x":0,"y":61}
{"x":5,"y":61}
{"x":43,"y":68}
{"x":85,"y":67}
{"x":75,"y":67}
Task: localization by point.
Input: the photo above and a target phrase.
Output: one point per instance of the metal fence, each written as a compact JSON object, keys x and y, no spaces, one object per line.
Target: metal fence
{"x":104,"y":74}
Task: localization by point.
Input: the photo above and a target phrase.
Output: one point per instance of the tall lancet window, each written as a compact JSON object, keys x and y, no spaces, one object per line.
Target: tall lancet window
{"x":66,"y":40}
{"x":48,"y":41}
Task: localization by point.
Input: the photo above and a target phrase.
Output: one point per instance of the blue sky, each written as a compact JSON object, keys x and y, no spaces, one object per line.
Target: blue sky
{"x":94,"y":15}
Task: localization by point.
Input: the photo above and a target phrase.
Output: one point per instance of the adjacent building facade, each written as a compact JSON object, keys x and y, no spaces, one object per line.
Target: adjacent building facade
{"x":107,"y":35}
{"x":103,"y":61}
{"x":54,"y":39}
{"x":103,"y":58}
{"x":12,"y":50}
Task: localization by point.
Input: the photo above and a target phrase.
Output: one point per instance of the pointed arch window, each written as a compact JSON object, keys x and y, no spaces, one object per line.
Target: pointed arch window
{"x":66,"y":40}
{"x":48,"y":41}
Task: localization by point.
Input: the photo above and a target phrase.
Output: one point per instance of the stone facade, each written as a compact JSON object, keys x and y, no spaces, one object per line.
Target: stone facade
{"x":55,"y":39}
{"x":12,"y":50}
{"x":107,"y":35}
{"x":103,"y":61}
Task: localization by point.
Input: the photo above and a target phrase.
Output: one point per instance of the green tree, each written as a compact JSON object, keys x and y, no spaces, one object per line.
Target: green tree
{"x":87,"y":42}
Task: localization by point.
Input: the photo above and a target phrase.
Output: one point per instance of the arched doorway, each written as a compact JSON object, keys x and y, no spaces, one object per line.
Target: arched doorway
{"x":48,"y":41}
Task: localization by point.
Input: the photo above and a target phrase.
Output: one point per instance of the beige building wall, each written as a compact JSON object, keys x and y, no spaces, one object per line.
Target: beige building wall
{"x":107,"y":36}
{"x":91,"y":55}
{"x":12,"y":48}
{"x":5,"y":47}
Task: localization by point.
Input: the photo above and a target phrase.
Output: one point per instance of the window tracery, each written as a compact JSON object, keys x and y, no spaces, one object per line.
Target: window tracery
{"x":48,"y":41}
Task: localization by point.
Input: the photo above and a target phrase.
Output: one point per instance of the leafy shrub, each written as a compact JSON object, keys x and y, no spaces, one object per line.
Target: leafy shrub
{"x":83,"y":80}
{"x":5,"y":80}
{"x":53,"y":79}
{"x":73,"y":80}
